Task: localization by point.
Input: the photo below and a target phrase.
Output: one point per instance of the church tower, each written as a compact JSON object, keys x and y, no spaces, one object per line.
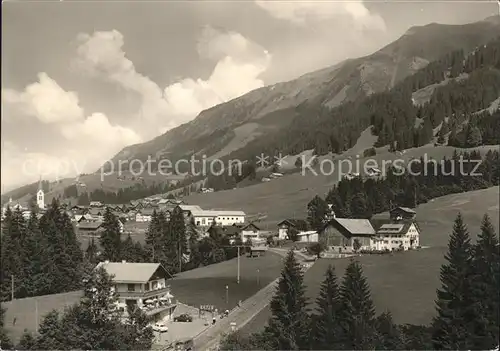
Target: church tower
{"x":40,"y":196}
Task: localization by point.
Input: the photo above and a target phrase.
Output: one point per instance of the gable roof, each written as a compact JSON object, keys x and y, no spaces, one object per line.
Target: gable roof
{"x":404,"y":209}
{"x":393,"y":227}
{"x":128,"y":272}
{"x":299,"y":224}
{"x":355,"y":226}
{"x":245,"y":227}
{"x":191,"y":208}
{"x":89,"y":225}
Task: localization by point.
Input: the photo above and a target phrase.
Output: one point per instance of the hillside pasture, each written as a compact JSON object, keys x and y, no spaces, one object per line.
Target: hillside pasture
{"x":207,"y":285}
{"x":287,"y":197}
{"x":405,"y":283}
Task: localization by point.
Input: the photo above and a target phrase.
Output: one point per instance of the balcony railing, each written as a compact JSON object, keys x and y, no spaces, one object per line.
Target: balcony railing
{"x":143,"y":294}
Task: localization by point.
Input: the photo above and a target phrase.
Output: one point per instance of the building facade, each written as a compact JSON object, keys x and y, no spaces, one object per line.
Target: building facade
{"x":143,"y":285}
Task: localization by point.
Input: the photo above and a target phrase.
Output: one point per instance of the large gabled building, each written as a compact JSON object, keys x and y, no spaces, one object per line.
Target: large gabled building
{"x":143,"y":285}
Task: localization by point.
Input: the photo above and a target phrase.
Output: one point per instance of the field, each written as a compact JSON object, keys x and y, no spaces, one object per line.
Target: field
{"x":207,"y":285}
{"x":203,"y":286}
{"x":406,"y":283}
{"x":287,"y":197}
{"x":26,"y":311}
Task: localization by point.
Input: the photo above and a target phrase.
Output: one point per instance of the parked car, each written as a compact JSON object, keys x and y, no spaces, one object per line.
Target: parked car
{"x":183,"y":318}
{"x":184,"y":345}
{"x":160,"y":328}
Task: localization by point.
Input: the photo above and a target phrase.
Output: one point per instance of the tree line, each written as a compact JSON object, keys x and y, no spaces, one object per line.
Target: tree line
{"x":344,"y":317}
{"x":39,"y":256}
{"x":94,"y":323}
{"x":361,"y":198}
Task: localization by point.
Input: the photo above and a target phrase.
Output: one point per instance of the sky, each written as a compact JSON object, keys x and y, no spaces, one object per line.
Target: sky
{"x":83,"y":79}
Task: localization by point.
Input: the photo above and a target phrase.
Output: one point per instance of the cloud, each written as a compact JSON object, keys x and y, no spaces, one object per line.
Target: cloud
{"x":96,"y":131}
{"x":88,"y":142}
{"x":305,"y":12}
{"x":239,"y":62}
{"x":45,"y":100}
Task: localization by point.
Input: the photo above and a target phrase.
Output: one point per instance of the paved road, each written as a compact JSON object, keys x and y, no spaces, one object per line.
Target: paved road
{"x":209,"y":339}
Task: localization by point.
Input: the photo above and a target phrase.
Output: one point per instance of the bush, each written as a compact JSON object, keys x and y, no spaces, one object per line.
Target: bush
{"x":369,"y":152}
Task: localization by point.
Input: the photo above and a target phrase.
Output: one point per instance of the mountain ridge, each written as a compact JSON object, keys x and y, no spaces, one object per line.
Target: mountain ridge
{"x":331,"y":86}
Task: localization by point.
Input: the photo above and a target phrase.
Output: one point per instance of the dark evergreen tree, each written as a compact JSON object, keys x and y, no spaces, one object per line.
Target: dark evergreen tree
{"x":389,"y":336}
{"x":485,"y":283}
{"x":326,"y":324}
{"x":5,"y":342}
{"x":289,"y":324}
{"x":138,"y":331}
{"x":316,"y":212}
{"x":452,"y":325}
{"x":357,"y":313}
{"x":110,"y":239}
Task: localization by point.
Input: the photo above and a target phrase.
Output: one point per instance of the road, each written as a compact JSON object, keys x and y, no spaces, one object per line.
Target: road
{"x":209,"y":339}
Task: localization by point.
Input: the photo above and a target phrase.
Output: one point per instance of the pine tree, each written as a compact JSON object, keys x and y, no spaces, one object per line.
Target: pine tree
{"x":27,"y":341}
{"x":357,"y":313}
{"x":451,"y":327}
{"x":389,"y":335}
{"x":326,"y":320}
{"x":5,"y":342}
{"x":51,"y":336}
{"x":110,"y":237}
{"x":316,"y":212}
{"x":473,"y":136}
{"x":35,"y":247}
{"x":138,"y":332}
{"x":12,"y":250}
{"x":485,"y":287}
{"x":289,"y":326}
{"x":91,"y":254}
{"x":177,"y":230}
{"x":360,"y":206}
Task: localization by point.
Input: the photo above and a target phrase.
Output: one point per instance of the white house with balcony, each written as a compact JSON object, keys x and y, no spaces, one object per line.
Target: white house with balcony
{"x":143,"y":285}
{"x":402,"y":235}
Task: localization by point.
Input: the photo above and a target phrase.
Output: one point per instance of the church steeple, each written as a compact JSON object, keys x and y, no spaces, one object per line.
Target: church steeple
{"x":40,"y":195}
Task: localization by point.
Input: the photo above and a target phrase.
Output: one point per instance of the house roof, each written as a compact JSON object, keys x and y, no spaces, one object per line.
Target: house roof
{"x":191,"y":208}
{"x":128,"y":272}
{"x":299,"y":224}
{"x":356,"y":226}
{"x":392,"y":227}
{"x":246,"y":226}
{"x":96,"y":211}
{"x":89,"y":225}
{"x":404,"y":209}
{"x":147,"y":211}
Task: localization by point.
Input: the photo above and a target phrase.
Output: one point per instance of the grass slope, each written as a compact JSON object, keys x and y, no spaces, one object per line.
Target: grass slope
{"x":288,"y":196}
{"x":202,"y":286}
{"x":406,"y":283}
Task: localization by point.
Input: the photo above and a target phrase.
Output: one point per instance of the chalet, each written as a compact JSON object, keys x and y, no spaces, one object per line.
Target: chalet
{"x":86,"y":217}
{"x":96,"y":204}
{"x":402,"y":213}
{"x":144,"y":215}
{"x":250,"y":231}
{"x":143,"y":285}
{"x":397,"y":235}
{"x":97,"y":213}
{"x":342,"y":233}
{"x":218,"y":231}
{"x":89,"y":226}
{"x":284,"y":226}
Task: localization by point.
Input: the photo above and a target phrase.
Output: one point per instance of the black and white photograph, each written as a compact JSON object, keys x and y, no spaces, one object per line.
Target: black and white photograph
{"x":226,"y":175}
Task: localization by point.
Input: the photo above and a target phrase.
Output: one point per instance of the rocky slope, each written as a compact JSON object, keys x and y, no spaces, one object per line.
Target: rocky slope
{"x":229,"y":126}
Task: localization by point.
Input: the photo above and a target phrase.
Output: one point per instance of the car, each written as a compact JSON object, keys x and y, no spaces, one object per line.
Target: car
{"x":184,"y":345}
{"x":183,"y":318}
{"x":160,"y":328}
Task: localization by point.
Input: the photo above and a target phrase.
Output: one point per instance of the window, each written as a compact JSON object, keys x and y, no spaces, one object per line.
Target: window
{"x":146,"y":286}
{"x":130,"y":287}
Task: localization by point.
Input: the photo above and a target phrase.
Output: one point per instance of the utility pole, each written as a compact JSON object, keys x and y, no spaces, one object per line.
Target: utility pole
{"x":227,"y":295}
{"x":12,"y":287}
{"x":36,"y":315}
{"x":238,"y":278}
{"x":180,"y":257}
